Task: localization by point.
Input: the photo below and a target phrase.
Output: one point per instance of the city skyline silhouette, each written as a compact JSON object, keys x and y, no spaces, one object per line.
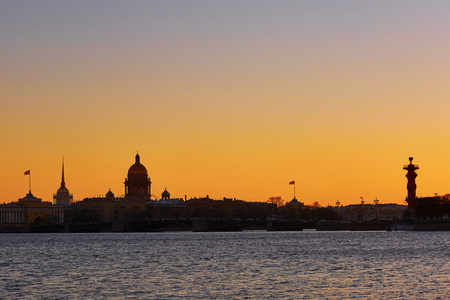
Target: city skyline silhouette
{"x":226,"y":99}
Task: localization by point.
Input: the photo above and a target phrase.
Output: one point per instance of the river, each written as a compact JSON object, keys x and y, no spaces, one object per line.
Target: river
{"x":226,"y":265}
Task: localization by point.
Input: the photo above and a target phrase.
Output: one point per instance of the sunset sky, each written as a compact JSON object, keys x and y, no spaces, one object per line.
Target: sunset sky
{"x":226,"y":98}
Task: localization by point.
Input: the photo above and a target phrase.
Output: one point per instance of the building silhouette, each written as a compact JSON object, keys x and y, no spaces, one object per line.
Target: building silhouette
{"x":165,"y":195}
{"x":29,"y":211}
{"x":110,"y":208}
{"x":62,"y":196}
{"x":166,"y":207}
{"x":372,"y":212}
{"x":137,"y":185}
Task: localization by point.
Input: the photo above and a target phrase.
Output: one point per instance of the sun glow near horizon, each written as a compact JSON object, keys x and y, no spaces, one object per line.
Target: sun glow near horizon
{"x":226,"y":99}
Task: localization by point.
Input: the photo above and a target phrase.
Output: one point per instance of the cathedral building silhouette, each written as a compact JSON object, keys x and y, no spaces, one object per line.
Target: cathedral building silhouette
{"x":137,"y":185}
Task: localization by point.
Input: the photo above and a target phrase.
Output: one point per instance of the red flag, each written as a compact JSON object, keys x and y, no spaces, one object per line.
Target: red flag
{"x":292,"y":182}
{"x":27,"y":172}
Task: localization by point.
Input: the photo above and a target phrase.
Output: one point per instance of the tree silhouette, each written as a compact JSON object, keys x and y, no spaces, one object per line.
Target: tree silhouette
{"x":276,"y":200}
{"x":316,"y":205}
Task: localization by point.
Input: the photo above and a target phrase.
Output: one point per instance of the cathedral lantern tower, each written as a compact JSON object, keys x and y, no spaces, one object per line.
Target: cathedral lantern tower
{"x":137,"y":185}
{"x":411,"y":175}
{"x":62,"y":196}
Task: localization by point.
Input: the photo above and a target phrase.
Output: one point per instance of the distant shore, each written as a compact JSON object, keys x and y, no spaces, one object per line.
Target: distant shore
{"x":214,"y":225}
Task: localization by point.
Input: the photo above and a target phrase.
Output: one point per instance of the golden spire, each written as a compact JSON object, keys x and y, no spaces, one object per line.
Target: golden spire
{"x":63,"y":184}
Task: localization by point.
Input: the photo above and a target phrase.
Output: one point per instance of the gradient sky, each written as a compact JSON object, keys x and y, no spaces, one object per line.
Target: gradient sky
{"x":226,"y":98}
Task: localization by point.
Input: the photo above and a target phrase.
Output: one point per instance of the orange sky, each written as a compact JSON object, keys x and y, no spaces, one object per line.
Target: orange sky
{"x":230,"y":99}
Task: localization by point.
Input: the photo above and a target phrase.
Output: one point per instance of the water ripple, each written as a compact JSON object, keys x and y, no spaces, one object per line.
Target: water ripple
{"x":244,"y":265}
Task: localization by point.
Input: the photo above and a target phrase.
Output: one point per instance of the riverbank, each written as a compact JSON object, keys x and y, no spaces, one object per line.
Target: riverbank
{"x":215,"y":225}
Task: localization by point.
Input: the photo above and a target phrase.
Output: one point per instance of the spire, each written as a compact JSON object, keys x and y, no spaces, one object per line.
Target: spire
{"x":63,"y":184}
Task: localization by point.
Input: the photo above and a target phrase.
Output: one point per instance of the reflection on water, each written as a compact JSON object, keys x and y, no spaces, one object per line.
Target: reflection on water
{"x":228,"y":265}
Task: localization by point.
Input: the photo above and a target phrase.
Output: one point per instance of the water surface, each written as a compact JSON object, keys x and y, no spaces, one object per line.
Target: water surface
{"x":226,"y":265}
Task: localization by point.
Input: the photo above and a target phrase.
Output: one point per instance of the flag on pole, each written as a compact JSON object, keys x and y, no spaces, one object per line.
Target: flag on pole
{"x":27,"y":172}
{"x":292,"y":182}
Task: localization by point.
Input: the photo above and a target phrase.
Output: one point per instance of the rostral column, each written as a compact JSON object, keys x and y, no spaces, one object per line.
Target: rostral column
{"x":411,"y":175}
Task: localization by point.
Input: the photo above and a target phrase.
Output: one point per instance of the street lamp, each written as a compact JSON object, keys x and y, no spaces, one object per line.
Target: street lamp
{"x":376,"y":207}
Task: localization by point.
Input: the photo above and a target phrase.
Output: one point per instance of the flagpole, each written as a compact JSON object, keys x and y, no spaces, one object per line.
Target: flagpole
{"x":293,"y":182}
{"x":29,"y":182}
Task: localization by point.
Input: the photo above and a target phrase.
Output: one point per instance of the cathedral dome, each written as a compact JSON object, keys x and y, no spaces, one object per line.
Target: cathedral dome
{"x":137,"y":168}
{"x":109,"y":195}
{"x":137,"y":185}
{"x":165,"y":195}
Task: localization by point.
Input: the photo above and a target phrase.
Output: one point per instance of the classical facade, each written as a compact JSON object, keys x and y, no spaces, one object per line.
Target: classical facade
{"x":62,"y":196}
{"x":166,"y":208}
{"x":295,"y":209}
{"x":371,"y":212}
{"x":228,"y":208}
{"x":109,"y":208}
{"x":28,"y":211}
{"x":137,"y":184}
